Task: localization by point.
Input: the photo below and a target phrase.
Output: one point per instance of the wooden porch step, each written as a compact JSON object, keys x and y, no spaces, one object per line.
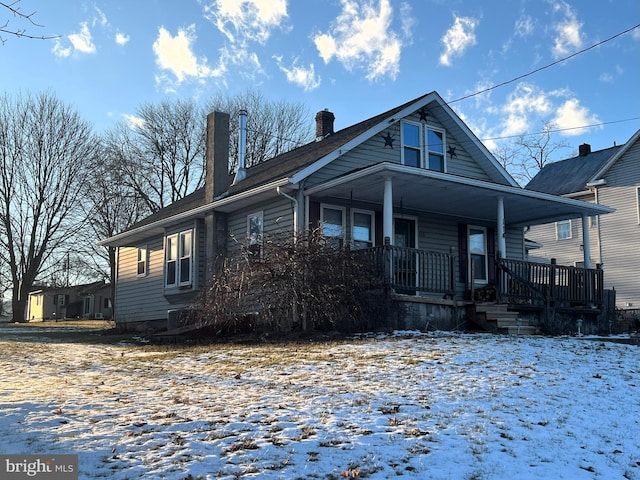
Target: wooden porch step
{"x":495,"y":317}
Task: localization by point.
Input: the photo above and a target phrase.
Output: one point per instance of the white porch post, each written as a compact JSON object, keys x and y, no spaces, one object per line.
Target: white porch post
{"x":387,"y":211}
{"x":502,"y":243}
{"x":586,"y":244}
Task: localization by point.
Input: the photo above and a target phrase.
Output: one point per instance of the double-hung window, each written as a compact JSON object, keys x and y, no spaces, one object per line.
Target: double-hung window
{"x":333,"y":222}
{"x":563,"y":230}
{"x":423,"y":146}
{"x":254,"y":233}
{"x":362,"y":228}
{"x":142,"y":261}
{"x":178,"y":258}
{"x":435,"y":150}
{"x":411,"y":144}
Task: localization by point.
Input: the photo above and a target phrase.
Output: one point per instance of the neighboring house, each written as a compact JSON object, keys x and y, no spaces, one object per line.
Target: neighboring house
{"x":414,"y":182}
{"x":609,"y":177}
{"x":89,"y":301}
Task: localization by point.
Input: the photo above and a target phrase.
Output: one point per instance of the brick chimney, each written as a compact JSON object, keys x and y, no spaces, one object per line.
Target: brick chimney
{"x":584,"y":149}
{"x":217,"y":178}
{"x":324,"y":123}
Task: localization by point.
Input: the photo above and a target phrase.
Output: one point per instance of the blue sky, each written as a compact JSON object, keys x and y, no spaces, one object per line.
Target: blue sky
{"x":355,"y":57}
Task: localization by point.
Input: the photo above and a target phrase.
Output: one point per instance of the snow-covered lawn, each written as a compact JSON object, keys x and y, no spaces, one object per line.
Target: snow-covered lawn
{"x":437,"y":406}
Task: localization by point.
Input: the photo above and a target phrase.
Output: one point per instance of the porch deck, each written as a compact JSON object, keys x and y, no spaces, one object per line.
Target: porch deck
{"x":521,"y":284}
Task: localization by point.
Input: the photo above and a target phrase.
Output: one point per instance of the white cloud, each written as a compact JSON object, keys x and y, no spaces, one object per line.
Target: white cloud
{"x":606,"y":77}
{"x":175,"y":54}
{"x":243,"y":20}
{"x":571,"y":114}
{"x":458,"y":38}
{"x":362,"y":38}
{"x":525,"y":104}
{"x":121,"y":38}
{"x":568,"y":35}
{"x":82,"y":41}
{"x":524,"y":26}
{"x":100,"y":18}
{"x":133,"y":121}
{"x":304,"y":77}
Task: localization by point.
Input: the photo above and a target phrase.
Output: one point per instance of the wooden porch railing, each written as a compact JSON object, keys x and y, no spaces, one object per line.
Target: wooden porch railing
{"x":411,"y":270}
{"x":538,"y":283}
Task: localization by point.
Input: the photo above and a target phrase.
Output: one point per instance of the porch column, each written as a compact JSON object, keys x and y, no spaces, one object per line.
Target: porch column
{"x":586,"y":244}
{"x":387,"y":211}
{"x":502,"y":243}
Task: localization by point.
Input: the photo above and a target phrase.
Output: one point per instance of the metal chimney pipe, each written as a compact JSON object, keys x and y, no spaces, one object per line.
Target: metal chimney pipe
{"x":241,"y":174}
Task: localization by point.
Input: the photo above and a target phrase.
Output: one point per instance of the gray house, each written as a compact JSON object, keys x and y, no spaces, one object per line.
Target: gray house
{"x":608,"y":177}
{"x":413,"y":185}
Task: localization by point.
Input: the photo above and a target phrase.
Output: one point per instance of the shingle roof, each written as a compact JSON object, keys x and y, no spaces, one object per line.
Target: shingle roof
{"x":278,"y":167}
{"x":570,"y":175}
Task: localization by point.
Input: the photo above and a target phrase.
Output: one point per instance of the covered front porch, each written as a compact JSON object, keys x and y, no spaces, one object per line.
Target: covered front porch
{"x":452,"y":241}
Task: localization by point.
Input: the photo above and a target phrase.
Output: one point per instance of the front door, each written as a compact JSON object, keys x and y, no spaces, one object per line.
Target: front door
{"x":405,"y":264}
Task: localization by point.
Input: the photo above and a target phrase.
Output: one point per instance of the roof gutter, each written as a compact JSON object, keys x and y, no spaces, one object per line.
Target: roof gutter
{"x":216,"y":204}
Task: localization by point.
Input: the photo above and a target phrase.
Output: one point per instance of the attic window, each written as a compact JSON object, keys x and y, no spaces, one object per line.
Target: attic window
{"x":423,"y":146}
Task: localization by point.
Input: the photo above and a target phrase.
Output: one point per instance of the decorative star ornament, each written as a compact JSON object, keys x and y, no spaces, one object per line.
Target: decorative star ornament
{"x":424,"y":113}
{"x":388,"y":140}
{"x":451,"y":151}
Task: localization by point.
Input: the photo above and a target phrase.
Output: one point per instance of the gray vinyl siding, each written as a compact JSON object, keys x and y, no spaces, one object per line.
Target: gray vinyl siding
{"x":277,"y":218}
{"x":620,"y":231}
{"x":374,"y":151}
{"x":143,"y":298}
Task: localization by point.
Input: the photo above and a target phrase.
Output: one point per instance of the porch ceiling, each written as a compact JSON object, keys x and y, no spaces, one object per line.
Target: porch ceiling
{"x":454,"y":196}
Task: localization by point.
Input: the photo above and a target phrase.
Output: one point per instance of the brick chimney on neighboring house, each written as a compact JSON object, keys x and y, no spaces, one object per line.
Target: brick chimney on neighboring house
{"x":217,"y":181}
{"x":584,"y":149}
{"x":324,"y":123}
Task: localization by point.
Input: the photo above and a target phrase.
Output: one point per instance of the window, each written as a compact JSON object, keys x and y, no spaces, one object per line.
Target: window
{"x":362,"y":228}
{"x":478,"y":253}
{"x":593,"y":221}
{"x":563,"y":230}
{"x":178,"y":253}
{"x":423,"y":146}
{"x":332,"y":220}
{"x":435,"y":149}
{"x":87,"y":305}
{"x":254,"y":233}
{"x":411,"y":148}
{"x":142,"y":261}
{"x":61,"y":300}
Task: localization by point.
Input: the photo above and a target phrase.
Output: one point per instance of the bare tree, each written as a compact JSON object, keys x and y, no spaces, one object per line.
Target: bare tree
{"x":161,"y":156}
{"x":45,"y":152}
{"x":529,"y":153}
{"x":273,"y":127}
{"x":14,"y":11}
{"x":110,"y":208}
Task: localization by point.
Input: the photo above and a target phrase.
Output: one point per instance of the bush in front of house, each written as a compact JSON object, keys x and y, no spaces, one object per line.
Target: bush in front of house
{"x":308,"y":283}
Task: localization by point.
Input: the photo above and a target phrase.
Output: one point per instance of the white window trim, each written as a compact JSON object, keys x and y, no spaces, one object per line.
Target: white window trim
{"x":177,"y":237}
{"x":444,"y":147}
{"x":145,"y":261}
{"x":421,"y":136}
{"x":344,"y":219}
{"x":570,"y":230}
{"x":638,"y":202}
{"x":371,"y":213}
{"x":485,"y":280}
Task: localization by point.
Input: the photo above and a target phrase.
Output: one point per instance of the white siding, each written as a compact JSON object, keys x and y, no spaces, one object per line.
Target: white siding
{"x":620,"y":231}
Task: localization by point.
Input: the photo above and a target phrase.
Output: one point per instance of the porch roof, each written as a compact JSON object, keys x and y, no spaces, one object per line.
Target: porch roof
{"x":455,"y":196}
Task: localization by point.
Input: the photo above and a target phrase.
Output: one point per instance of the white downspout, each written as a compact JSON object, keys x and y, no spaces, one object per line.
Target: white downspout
{"x":295,"y":211}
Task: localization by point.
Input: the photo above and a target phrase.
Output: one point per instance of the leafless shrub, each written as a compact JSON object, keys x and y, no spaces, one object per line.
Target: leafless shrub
{"x":304,"y":283}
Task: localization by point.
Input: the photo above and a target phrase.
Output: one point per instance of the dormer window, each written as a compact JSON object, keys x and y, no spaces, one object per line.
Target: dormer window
{"x":423,"y":146}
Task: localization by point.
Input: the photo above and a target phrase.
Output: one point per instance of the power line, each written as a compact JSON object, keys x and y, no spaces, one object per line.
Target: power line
{"x":564,"y":59}
{"x":554,"y":130}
